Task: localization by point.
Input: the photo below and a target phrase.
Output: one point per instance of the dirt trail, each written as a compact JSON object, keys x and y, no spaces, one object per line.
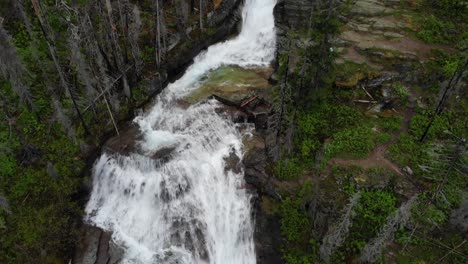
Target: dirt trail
{"x":377,"y":158}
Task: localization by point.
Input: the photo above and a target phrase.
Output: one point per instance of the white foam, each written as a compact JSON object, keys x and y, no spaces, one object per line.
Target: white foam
{"x":187,"y":209}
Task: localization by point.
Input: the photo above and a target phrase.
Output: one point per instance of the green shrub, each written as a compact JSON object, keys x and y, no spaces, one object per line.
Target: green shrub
{"x":391,"y":125}
{"x":295,"y":258}
{"x":401,"y":92}
{"x":370,"y":215}
{"x":288,"y":169}
{"x":382,"y":138}
{"x":294,"y":221}
{"x":434,"y":30}
{"x":451,"y":9}
{"x":354,"y":143}
{"x":420,"y":122}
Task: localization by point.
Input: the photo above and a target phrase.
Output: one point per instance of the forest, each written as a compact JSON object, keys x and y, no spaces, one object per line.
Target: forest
{"x":71,"y":73}
{"x":366,"y":137}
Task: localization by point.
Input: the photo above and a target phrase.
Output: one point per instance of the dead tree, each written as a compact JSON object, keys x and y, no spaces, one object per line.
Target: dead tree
{"x":101,"y":75}
{"x":337,"y":234}
{"x":56,"y":104}
{"x":4,"y":205}
{"x":454,"y":80}
{"x":373,"y":250}
{"x":47,"y":32}
{"x":133,"y":37}
{"x":201,"y":15}
{"x":112,"y":27}
{"x":12,"y":68}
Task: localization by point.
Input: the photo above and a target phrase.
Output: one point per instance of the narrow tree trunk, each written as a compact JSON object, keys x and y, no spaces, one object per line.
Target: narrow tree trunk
{"x":46,"y":30}
{"x":440,"y":106}
{"x":201,"y":15}
{"x":158,"y":35}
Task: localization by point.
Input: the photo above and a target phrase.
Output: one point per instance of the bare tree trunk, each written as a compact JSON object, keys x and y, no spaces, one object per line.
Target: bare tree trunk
{"x":116,"y":48}
{"x":12,"y":69}
{"x":201,"y":15}
{"x":94,"y":48}
{"x":47,"y":31}
{"x":456,"y":77}
{"x":133,"y":36}
{"x":158,"y":35}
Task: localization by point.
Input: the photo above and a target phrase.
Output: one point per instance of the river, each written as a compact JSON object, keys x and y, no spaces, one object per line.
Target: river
{"x":186,"y":208}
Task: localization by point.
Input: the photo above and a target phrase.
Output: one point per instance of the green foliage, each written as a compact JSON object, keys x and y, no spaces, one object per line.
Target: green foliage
{"x":441,"y":66}
{"x":298,"y":256}
{"x":371,"y":213}
{"x":322,"y":122}
{"x":9,"y":145}
{"x":449,"y":9}
{"x":373,"y":208}
{"x":437,"y":130}
{"x":406,"y":151}
{"x":355,"y":143}
{"x":44,"y":212}
{"x":288,"y":169}
{"x":295,"y":227}
{"x":401,"y":92}
{"x":391,"y":125}
{"x":444,"y":21}
{"x":349,"y":73}
{"x":382,"y":138}
{"x":293,"y":220}
{"x":434,"y":30}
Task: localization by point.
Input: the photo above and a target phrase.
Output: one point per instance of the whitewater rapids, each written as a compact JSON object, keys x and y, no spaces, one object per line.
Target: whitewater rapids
{"x":186,"y":208}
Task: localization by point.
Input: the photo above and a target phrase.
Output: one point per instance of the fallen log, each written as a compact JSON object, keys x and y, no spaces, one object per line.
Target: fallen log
{"x":248,"y":101}
{"x":365,"y":101}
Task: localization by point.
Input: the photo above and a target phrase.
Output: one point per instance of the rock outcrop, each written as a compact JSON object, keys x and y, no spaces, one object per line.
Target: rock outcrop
{"x":96,"y":247}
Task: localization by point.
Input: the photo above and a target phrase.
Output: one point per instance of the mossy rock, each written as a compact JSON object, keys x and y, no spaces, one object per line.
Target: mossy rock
{"x":349,"y":74}
{"x":230,"y":82}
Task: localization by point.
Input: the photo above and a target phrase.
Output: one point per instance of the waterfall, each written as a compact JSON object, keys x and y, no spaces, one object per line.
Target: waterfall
{"x":186,"y":207}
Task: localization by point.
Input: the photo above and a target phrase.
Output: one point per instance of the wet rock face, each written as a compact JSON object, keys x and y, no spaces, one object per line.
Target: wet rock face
{"x":124,"y":143}
{"x":268,"y":240}
{"x":96,"y":247}
{"x":267,"y":236}
{"x":223,"y":11}
{"x":292,"y":13}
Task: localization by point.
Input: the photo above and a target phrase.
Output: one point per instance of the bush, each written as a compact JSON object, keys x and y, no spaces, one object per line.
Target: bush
{"x":288,"y":169}
{"x":434,"y":30}
{"x":370,"y":216}
{"x":420,"y":121}
{"x":354,"y":143}
{"x":401,"y":92}
{"x":391,"y":125}
{"x":294,"y":221}
{"x":452,"y":9}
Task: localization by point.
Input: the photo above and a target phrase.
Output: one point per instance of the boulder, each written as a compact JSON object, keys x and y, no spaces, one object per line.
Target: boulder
{"x":369,"y":8}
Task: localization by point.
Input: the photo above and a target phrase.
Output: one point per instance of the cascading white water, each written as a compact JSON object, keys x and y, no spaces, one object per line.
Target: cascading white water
{"x":186,"y":208}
